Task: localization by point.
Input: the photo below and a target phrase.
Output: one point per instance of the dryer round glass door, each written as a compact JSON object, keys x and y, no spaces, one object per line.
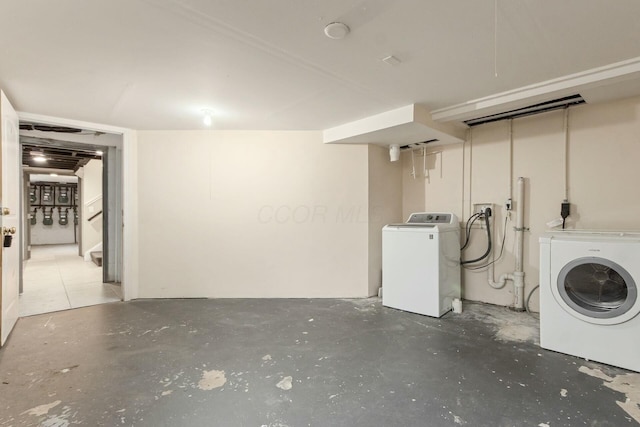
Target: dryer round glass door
{"x":598,"y":289}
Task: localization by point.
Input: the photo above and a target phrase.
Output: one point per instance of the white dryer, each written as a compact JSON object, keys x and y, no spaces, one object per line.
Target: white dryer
{"x":589,"y":302}
{"x":421,"y":263}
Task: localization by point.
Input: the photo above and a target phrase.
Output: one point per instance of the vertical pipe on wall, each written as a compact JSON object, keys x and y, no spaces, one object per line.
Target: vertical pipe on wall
{"x":519,"y":224}
{"x":425,"y":172}
{"x":470,"y":170}
{"x":464,"y":172}
{"x":517,"y":277}
{"x":413,"y":165}
{"x":510,"y":159}
{"x":566,"y":154}
{"x":464,"y":146}
{"x":518,"y":274}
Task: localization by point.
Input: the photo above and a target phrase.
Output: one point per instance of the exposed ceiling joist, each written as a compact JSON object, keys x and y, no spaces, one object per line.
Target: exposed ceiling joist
{"x":52,"y":154}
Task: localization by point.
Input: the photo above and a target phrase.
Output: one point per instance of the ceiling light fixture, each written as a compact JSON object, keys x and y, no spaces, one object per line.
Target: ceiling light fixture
{"x":99,"y":153}
{"x":207,"y":118}
{"x":394,"y":152}
{"x":336,"y":30}
{"x":39,"y":159}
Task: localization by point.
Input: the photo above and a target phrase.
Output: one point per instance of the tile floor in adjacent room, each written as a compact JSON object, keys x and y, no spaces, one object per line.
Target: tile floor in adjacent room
{"x":57,"y":278}
{"x":299,"y":363}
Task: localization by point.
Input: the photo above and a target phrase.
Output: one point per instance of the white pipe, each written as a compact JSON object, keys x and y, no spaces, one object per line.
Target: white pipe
{"x":490,"y":272}
{"x":413,"y":166}
{"x":501,"y":281}
{"x":464,"y":145}
{"x":510,"y":158}
{"x":425,"y":172}
{"x":518,"y":280}
{"x":470,"y":171}
{"x":566,"y":154}
{"x":519,"y":224}
{"x":517,"y":277}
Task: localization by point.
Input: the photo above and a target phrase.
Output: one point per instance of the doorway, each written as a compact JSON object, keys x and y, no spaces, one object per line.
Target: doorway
{"x":72,"y":217}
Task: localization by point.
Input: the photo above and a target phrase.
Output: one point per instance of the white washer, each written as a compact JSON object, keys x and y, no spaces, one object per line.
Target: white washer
{"x":421,"y":263}
{"x":589,"y":300}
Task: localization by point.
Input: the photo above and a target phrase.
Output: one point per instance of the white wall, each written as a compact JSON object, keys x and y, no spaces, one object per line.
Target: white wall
{"x":279,"y":214}
{"x":603,"y":152}
{"x":91,"y":187}
{"x":251,"y":214}
{"x":385,"y":207}
{"x":52,"y":234}
{"x":438,"y":187}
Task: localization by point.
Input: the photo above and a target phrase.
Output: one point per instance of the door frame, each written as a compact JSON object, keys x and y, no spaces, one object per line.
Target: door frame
{"x":129,"y":200}
{"x":10,"y":266}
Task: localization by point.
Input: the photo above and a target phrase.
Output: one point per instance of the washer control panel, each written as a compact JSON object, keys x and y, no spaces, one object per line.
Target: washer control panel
{"x":429,"y":218}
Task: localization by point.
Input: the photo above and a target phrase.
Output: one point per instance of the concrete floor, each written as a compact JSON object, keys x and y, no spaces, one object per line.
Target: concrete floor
{"x":299,"y":363}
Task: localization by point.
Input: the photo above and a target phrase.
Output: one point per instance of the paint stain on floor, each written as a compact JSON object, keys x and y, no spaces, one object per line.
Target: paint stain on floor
{"x":508,"y":325}
{"x":628,"y":384}
{"x":211,"y":380}
{"x":61,"y":420}
{"x":286,"y":383}
{"x":41,"y":410}
{"x":519,"y":333}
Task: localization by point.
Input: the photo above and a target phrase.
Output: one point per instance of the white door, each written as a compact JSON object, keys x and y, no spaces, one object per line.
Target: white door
{"x":9,"y":203}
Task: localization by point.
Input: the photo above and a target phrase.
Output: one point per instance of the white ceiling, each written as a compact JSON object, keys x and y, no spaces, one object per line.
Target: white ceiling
{"x":266,"y":64}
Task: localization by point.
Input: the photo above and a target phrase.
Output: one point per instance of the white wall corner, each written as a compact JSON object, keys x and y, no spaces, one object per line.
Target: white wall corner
{"x":130,"y":220}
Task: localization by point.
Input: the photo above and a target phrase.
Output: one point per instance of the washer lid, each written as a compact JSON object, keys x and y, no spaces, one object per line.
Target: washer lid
{"x":405,"y":225}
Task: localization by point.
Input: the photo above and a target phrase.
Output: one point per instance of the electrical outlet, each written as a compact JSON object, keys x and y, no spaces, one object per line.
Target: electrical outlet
{"x":482,"y":207}
{"x":508,"y":205}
